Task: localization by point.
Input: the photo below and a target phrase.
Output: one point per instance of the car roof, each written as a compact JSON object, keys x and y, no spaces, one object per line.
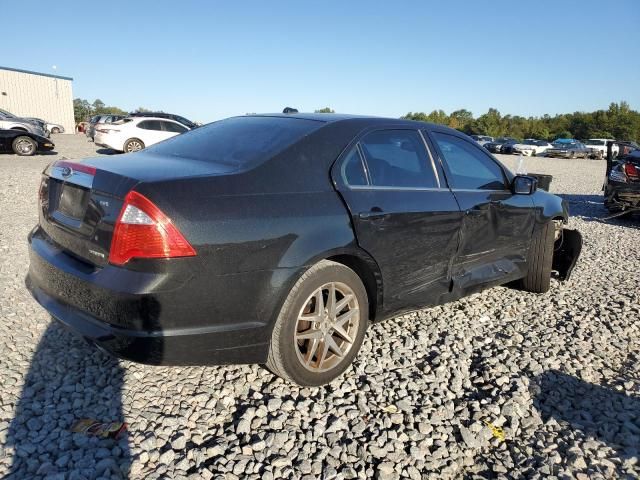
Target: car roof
{"x":144,"y":119}
{"x":366,"y":120}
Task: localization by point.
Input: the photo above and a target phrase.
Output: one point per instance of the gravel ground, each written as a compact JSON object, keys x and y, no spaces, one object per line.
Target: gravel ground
{"x":499,"y":384}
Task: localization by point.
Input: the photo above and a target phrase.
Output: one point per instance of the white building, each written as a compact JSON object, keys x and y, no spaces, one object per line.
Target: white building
{"x":39,"y":95}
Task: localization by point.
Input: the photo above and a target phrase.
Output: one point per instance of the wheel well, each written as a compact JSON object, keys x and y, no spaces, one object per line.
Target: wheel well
{"x":370,"y":277}
{"x":20,"y":129}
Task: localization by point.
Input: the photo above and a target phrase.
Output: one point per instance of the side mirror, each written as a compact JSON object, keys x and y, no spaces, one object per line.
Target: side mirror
{"x":524,"y":185}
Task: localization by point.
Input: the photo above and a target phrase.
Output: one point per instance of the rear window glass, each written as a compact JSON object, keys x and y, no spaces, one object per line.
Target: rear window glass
{"x":238,"y":141}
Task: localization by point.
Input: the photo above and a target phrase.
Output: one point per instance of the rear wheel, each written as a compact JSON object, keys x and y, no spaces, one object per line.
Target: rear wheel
{"x":55,"y":130}
{"x":572,"y":155}
{"x":24,"y":146}
{"x":133,"y":145}
{"x":540,"y":260}
{"x":321,"y":325}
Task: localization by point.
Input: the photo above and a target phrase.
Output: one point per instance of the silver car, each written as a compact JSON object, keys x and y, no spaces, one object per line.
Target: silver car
{"x":9,"y":121}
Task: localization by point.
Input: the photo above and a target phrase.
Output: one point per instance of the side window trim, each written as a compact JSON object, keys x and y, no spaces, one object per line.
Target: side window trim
{"x":365,"y":167}
{"x":445,"y":166}
{"x":431,"y":160}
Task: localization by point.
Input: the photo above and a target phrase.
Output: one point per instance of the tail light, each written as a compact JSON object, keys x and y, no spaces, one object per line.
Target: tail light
{"x":106,"y":130}
{"x":631,"y":171}
{"x":144,"y":231}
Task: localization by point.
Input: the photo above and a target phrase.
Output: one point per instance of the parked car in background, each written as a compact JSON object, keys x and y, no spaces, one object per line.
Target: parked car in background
{"x":9,"y":121}
{"x":568,"y":148}
{"x":276,"y":239}
{"x":622,"y":180}
{"x":37,"y":121}
{"x":598,"y":147}
{"x":528,"y":147}
{"x":133,"y":134}
{"x":177,"y":118}
{"x":498,"y":143}
{"x":99,"y":120}
{"x":23,"y":143}
{"x":55,"y":128}
{"x":482,"y":139}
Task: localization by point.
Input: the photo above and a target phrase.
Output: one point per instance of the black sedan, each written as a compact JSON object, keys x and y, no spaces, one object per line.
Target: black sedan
{"x":499,"y":143}
{"x":276,"y":239}
{"x":23,"y":143}
{"x":622,"y":180}
{"x":568,"y":149}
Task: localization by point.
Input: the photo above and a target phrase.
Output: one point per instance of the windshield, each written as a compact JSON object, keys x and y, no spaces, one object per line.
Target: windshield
{"x":595,"y":142}
{"x":238,"y":141}
{"x":564,"y":144}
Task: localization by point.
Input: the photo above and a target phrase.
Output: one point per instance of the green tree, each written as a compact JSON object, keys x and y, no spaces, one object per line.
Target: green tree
{"x":325,"y":110}
{"x":81,"y":110}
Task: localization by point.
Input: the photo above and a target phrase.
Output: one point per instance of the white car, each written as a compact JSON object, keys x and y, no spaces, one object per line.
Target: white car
{"x":55,"y":128}
{"x":531,"y":147}
{"x":599,"y":147}
{"x":133,"y":134}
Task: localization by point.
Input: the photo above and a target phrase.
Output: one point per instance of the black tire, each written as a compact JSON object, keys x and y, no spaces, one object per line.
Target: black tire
{"x":55,"y":130}
{"x":131,"y":145}
{"x":540,"y":260}
{"x":286,"y":351}
{"x":572,"y":155}
{"x":24,"y":146}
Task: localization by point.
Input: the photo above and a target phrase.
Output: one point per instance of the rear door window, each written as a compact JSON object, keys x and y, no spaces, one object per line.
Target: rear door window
{"x":150,"y":125}
{"x":173,"y":127}
{"x":469,"y":166}
{"x":398,"y":158}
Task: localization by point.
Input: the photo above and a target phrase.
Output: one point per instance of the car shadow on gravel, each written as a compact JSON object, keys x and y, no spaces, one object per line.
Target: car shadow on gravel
{"x":68,"y":380}
{"x":591,"y":209}
{"x":107,"y":151}
{"x":598,"y":412}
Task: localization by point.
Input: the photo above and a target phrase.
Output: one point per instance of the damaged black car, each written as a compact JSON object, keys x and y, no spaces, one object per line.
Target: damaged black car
{"x":277,"y":239}
{"x":622,"y":179}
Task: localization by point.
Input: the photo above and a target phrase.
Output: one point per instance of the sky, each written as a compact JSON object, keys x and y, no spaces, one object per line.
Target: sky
{"x":209,"y":60}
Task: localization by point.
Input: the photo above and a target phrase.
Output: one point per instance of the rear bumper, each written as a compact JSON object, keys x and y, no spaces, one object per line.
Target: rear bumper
{"x":96,"y":304}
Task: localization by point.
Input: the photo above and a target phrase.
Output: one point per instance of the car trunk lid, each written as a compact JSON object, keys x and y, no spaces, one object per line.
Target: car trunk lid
{"x":80,"y":202}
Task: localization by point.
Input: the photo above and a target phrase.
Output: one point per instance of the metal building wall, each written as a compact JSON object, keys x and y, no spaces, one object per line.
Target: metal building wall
{"x":43,"y":96}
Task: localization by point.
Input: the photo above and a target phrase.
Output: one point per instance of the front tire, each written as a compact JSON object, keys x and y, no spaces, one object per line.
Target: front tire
{"x":321,"y":325}
{"x":540,"y":260}
{"x":24,"y":146}
{"x":133,"y":145}
{"x":55,"y":130}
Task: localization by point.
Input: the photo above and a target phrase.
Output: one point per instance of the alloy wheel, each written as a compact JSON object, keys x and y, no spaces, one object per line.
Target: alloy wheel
{"x":326,"y":327}
{"x":25,"y":147}
{"x":133,"y":146}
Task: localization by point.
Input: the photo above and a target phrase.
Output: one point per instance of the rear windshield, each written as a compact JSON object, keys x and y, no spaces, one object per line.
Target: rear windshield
{"x":238,"y":141}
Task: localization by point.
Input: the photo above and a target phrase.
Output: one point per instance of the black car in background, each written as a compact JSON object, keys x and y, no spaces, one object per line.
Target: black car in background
{"x":622,"y":179}
{"x":568,"y":148}
{"x":277,"y":238}
{"x":497,"y":145}
{"x":184,"y":121}
{"x":23,"y":143}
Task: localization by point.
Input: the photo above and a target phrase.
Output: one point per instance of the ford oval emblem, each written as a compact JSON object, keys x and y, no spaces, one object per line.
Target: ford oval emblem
{"x":67,"y":171}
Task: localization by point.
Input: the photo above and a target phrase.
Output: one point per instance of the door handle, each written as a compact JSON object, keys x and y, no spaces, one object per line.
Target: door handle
{"x":375,"y":212}
{"x":474,"y":212}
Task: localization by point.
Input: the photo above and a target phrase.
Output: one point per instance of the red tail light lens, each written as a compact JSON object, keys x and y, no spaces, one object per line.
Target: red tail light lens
{"x":144,"y":231}
{"x":631,"y":170}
